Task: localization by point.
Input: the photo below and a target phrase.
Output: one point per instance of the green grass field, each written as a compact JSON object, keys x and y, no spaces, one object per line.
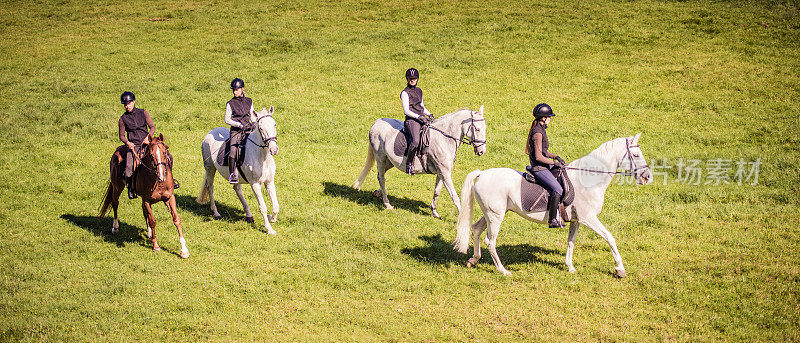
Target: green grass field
{"x":702,"y":80}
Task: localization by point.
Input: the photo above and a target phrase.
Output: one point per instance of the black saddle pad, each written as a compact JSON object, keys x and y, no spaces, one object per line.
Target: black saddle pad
{"x":535,"y":195}
{"x":222,"y":154}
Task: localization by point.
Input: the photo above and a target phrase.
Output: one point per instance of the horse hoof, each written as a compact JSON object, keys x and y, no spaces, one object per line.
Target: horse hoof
{"x":113,"y":231}
{"x":377,"y":193}
{"x":156,"y":248}
{"x":272,"y":232}
{"x":217,"y":217}
{"x":472,"y":262}
{"x":272,"y":218}
{"x":184,"y":254}
{"x":469,"y":264}
{"x":249,"y":219}
{"x":618,"y":273}
{"x":572,"y":270}
{"x":389,"y":207}
{"x":436,"y":214}
{"x":506,"y":273}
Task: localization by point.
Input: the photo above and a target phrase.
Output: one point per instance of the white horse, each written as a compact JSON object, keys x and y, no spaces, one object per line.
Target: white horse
{"x":446,"y":133}
{"x":497,"y":191}
{"x":257,"y":168}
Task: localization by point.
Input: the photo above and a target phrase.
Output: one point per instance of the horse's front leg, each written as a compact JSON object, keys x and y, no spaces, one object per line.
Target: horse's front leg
{"x":573,"y":234}
{"x":248,"y":217}
{"x":116,"y":191}
{"x":262,"y":207}
{"x":150,"y":221}
{"x":448,"y":183}
{"x":173,"y":210}
{"x":436,"y":191}
{"x":273,"y":198}
{"x":598,"y":227}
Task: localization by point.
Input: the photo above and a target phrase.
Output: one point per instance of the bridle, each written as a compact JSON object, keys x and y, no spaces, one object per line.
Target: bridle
{"x":465,"y":138}
{"x":153,"y":169}
{"x":634,"y":169}
{"x":264,"y":139}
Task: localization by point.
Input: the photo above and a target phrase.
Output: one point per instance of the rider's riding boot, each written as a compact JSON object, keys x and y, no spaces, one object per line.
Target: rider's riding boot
{"x":552,"y":211}
{"x":129,"y":184}
{"x":234,"y":178}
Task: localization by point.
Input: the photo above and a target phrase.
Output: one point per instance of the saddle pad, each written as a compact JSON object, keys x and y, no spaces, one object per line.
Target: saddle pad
{"x":222,"y":154}
{"x":535,"y":196}
{"x":400,"y":150}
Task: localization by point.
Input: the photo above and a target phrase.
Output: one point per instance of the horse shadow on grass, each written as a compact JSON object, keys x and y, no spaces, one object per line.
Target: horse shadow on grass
{"x":229,"y":214}
{"x":101,"y":227}
{"x":441,"y":252}
{"x":367,"y":198}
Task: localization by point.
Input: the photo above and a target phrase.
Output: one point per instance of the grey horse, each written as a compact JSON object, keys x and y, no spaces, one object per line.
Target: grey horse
{"x":446,"y":133}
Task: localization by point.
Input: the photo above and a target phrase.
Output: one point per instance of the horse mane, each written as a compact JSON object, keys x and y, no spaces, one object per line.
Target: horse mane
{"x":454,"y":112}
{"x":605,"y":148}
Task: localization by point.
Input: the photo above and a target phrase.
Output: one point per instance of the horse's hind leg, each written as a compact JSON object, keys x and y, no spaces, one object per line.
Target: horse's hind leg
{"x":248,"y":217}
{"x":493,"y":228}
{"x":436,"y":191}
{"x":150,"y":221}
{"x":477,"y":230}
{"x":573,"y":234}
{"x":209,"y":179}
{"x":382,"y":168}
{"x":173,"y":210}
{"x":117,"y":190}
{"x":598,"y":227}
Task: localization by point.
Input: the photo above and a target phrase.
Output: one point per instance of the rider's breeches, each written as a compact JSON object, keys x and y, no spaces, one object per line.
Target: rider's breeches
{"x":237,"y":142}
{"x":547,"y":178}
{"x":411,"y":128}
{"x":130,"y":161}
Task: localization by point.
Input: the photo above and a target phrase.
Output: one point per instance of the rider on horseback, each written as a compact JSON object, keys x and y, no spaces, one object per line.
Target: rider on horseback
{"x":543,"y":162}
{"x":135,"y":126}
{"x":416,"y":116}
{"x":239,"y":114}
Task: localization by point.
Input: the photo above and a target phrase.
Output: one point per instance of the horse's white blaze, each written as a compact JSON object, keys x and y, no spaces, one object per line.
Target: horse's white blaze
{"x":159,"y":166}
{"x":258,"y":166}
{"x":497,"y":191}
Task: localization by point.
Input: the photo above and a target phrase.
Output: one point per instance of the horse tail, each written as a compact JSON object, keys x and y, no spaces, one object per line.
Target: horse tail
{"x":203,"y":197}
{"x":107,"y":200}
{"x":367,"y":166}
{"x":464,"y":224}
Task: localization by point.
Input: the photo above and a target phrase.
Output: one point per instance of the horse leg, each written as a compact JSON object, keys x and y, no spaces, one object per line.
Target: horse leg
{"x":173,"y":210}
{"x":477,"y":230}
{"x":493,"y":228}
{"x":382,"y":181}
{"x":448,"y":183}
{"x":262,"y":207}
{"x":436,"y":191}
{"x":210,"y":185}
{"x":248,"y":217}
{"x":273,"y":198}
{"x":573,"y":234}
{"x":598,"y":227}
{"x":116,"y":191}
{"x":150,"y":221}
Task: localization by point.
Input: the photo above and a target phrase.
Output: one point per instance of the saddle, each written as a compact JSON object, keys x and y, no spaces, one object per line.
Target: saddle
{"x":535,"y":196}
{"x":222,"y":154}
{"x":421,"y":154}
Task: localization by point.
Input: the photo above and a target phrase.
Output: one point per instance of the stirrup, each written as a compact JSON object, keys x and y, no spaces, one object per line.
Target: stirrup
{"x":131,"y":194}
{"x":555,"y":224}
{"x":233,"y":178}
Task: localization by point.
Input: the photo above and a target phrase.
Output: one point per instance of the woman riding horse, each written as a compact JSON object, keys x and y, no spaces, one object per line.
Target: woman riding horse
{"x":416,"y":116}
{"x":135,"y":126}
{"x":544,"y":162}
{"x":239,"y":114}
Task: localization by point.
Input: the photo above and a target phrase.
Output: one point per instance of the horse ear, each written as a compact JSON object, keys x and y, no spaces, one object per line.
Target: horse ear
{"x":161,"y":136}
{"x":480,"y":111}
{"x":636,"y":138}
{"x":271,"y":110}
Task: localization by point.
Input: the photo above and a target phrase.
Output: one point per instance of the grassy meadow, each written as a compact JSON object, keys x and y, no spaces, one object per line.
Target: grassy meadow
{"x":702,"y":80}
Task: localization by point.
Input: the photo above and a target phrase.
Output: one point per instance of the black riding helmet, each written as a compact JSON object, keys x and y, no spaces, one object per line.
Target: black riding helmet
{"x":237,"y":83}
{"x":542,"y":111}
{"x":412,"y":73}
{"x":126,"y":97}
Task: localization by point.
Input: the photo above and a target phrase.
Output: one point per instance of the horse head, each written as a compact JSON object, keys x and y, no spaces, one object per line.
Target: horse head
{"x":268,"y":129}
{"x":154,"y":158}
{"x":474,"y":130}
{"x":633,"y":161}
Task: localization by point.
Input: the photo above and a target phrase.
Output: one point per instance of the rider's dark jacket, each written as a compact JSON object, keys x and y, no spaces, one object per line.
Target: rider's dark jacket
{"x":136,"y":125}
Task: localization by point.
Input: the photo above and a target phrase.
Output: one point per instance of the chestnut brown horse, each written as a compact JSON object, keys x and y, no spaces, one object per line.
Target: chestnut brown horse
{"x":152,"y":182}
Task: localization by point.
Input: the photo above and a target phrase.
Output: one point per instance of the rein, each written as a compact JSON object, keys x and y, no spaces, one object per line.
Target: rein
{"x":623,"y":173}
{"x":464,"y":139}
{"x":266,"y":140}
